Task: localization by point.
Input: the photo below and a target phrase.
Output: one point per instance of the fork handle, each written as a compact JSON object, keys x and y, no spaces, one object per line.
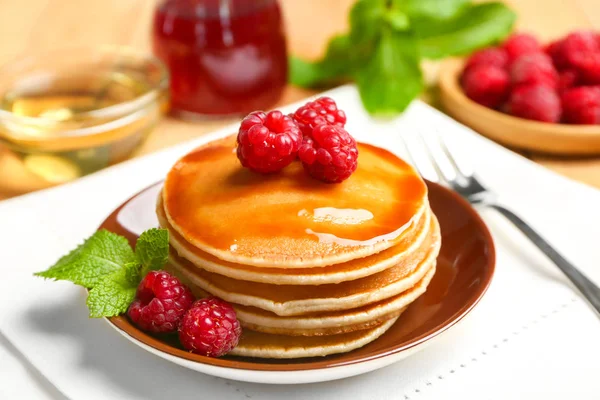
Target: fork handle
{"x":589,"y":290}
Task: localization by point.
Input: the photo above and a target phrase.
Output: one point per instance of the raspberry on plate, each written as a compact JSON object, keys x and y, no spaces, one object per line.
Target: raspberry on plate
{"x":330,"y":154}
{"x":495,"y":56}
{"x":537,"y":102}
{"x":581,"y":105}
{"x":533,"y":68}
{"x":521,"y":43}
{"x":323,"y":110}
{"x":210,"y":328}
{"x":268,"y":142}
{"x":488,"y":85}
{"x":160,"y":302}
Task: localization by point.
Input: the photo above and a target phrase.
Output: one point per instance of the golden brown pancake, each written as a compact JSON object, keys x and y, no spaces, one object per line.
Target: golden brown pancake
{"x":410,"y":242}
{"x":264,"y":345}
{"x":287,"y":300}
{"x":288,"y":219}
{"x":331,"y":323}
{"x":311,"y":268}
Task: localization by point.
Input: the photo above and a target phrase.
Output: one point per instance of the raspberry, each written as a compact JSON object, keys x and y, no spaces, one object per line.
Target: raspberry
{"x":267,"y":142}
{"x":210,"y":328}
{"x":555,"y":51}
{"x":519,"y":44}
{"x":329,"y":154}
{"x":567,"y":79}
{"x":486,"y":84}
{"x":589,"y":69}
{"x":160,"y":302}
{"x":577,"y":46}
{"x":582,"y":105}
{"x":321,"y":111}
{"x":537,"y":102}
{"x":491,"y":56}
{"x":533,"y":68}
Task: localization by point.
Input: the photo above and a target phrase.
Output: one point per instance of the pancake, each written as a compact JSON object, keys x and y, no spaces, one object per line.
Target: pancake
{"x":286,"y":300}
{"x":264,"y":345}
{"x":333,"y":322}
{"x":410,"y":241}
{"x":288,"y":219}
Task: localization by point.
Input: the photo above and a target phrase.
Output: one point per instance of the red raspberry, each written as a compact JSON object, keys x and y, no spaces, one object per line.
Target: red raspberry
{"x":268,"y":142}
{"x":495,"y":56}
{"x":578,"y":45}
{"x":582,"y":105}
{"x":555,"y":51}
{"x":486,"y":84}
{"x":589,"y":69}
{"x":210,"y":328}
{"x":160,"y":302}
{"x":329,"y":154}
{"x":567,"y":79}
{"x":533,"y":68}
{"x":521,"y":43}
{"x":537,"y":102}
{"x":321,"y":111}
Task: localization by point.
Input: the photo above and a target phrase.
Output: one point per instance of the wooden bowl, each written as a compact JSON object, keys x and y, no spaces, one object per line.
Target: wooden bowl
{"x":512,"y":131}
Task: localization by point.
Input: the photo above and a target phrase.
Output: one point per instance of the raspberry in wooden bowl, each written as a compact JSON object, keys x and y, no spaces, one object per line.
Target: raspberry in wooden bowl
{"x":529,"y":96}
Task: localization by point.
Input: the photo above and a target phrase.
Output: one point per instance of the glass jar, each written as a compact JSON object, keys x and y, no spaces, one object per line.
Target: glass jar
{"x":225,"y":57}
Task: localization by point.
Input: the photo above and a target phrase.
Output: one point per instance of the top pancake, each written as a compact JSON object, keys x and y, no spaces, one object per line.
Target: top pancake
{"x":289,"y":219}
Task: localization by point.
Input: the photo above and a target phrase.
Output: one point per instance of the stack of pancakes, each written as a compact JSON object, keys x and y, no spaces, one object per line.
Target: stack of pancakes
{"x":311,"y":268}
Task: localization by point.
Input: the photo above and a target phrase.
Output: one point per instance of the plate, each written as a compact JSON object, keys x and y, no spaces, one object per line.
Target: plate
{"x":465,"y":267}
{"x":516,"y":132}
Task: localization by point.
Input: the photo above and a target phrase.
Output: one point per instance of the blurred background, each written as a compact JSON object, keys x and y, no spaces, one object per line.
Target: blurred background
{"x":38,"y":28}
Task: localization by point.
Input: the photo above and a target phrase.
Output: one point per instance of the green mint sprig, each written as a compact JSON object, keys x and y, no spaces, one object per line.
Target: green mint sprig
{"x":107,"y":265}
{"x":388,"y":39}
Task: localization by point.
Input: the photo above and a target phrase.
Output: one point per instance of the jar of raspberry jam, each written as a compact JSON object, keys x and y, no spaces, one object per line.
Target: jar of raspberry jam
{"x":225,"y":57}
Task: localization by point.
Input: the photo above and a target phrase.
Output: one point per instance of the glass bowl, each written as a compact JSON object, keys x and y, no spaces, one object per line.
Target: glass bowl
{"x":68,"y":113}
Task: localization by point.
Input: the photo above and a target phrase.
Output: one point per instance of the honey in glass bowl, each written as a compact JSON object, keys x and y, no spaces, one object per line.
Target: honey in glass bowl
{"x":71,"y":113}
{"x":225,"y":57}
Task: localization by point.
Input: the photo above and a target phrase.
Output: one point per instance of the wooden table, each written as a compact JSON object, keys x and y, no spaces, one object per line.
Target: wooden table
{"x":35,"y":25}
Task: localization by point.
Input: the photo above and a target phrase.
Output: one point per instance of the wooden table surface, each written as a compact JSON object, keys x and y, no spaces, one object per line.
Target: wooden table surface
{"x":36,"y":25}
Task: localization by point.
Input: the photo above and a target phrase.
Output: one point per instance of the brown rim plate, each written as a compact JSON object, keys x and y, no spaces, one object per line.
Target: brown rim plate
{"x":465,"y":267}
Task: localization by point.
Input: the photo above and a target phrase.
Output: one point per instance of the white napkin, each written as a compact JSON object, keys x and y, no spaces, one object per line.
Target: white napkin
{"x":531,"y":334}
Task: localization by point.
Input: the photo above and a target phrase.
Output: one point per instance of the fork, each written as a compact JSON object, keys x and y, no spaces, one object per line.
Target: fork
{"x":438,"y":163}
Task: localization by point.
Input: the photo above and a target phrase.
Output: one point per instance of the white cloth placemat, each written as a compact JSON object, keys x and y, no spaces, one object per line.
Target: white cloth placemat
{"x":531,"y":335}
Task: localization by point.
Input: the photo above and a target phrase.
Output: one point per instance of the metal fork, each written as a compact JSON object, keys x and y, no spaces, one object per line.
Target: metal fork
{"x":436,"y":161}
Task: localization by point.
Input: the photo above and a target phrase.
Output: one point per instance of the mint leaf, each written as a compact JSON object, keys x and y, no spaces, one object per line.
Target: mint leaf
{"x":152,"y":249}
{"x":430,"y":8}
{"x":474,"y":27}
{"x":397,"y":20}
{"x":392,"y":77}
{"x":366,"y":18}
{"x":101,"y":254}
{"x":113,"y":294}
{"x":133,"y":273}
{"x":334,"y":66}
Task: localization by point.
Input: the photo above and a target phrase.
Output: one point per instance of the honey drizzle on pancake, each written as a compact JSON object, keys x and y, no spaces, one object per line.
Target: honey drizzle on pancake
{"x":213,"y":200}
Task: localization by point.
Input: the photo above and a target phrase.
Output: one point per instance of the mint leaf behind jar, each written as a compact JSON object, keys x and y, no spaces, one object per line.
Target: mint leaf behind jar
{"x":438,"y":9}
{"x":391,"y":78}
{"x":474,"y":27}
{"x":335,"y":65}
{"x":415,"y":29}
{"x":366,"y":19}
{"x":101,"y":254}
